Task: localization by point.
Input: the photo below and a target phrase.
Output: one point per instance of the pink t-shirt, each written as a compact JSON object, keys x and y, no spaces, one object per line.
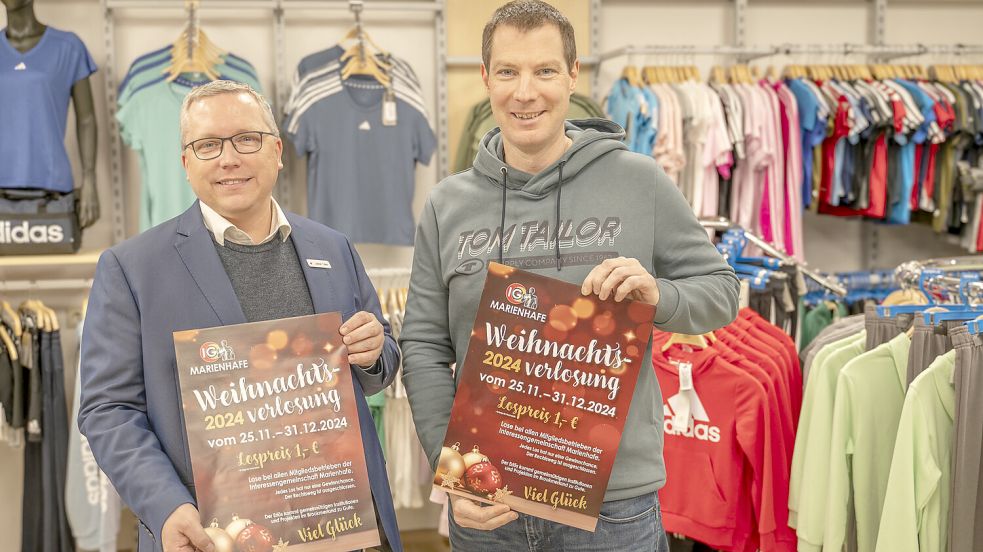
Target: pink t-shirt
{"x":793,"y":172}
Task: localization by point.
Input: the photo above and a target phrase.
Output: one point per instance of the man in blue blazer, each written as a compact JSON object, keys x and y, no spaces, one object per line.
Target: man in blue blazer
{"x":233,"y":257}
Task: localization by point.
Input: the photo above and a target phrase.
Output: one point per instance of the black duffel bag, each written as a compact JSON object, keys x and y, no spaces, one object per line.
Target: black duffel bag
{"x":38,"y":222}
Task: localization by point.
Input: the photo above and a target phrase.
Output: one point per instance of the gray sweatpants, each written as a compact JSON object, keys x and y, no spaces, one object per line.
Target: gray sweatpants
{"x":966,"y":519}
{"x":881,"y":330}
{"x":928,"y":342}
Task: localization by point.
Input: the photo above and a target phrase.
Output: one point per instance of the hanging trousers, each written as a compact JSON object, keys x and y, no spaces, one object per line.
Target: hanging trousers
{"x":928,"y":342}
{"x":966,"y":511}
{"x":45,"y":524}
{"x":881,"y":330}
{"x":56,"y":432}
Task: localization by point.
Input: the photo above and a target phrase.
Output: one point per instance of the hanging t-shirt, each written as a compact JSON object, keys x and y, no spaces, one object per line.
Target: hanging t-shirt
{"x":150,"y":124}
{"x":150,"y":67}
{"x":361,"y":171}
{"x":34,"y":90}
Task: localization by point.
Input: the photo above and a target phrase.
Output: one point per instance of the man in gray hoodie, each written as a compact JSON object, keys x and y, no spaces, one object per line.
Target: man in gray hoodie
{"x":565,"y":199}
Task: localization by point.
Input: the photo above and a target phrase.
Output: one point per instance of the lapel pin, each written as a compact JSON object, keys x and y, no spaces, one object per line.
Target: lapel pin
{"x":318,"y":263}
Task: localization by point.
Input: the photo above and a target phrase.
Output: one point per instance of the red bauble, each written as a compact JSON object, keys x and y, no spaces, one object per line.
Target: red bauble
{"x":483,"y":478}
{"x":255,"y":538}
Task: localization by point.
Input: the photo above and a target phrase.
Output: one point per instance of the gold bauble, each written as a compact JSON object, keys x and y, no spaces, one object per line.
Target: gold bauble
{"x":450,"y":463}
{"x":236,"y":526}
{"x":473,"y":457}
{"x":220,"y":537}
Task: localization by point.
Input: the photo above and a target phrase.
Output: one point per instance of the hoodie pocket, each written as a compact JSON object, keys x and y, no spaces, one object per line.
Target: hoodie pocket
{"x":693,"y":488}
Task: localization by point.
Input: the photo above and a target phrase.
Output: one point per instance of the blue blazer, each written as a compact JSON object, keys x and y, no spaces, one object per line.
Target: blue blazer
{"x":171,"y":278}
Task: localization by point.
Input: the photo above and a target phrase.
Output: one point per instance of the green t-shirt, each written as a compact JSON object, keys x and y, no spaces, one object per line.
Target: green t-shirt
{"x":811,"y":473}
{"x":870,"y":393}
{"x":816,"y":320}
{"x":916,"y":507}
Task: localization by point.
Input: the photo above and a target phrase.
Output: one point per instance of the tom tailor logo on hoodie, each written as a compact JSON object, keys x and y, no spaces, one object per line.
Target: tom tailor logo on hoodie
{"x":699,"y":426}
{"x":533,"y":235}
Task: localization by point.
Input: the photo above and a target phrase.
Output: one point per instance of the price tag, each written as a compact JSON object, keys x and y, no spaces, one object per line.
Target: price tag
{"x":680,"y":419}
{"x":389,"y":109}
{"x":685,"y":376}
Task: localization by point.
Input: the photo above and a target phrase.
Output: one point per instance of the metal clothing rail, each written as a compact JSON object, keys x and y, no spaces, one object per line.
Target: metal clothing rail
{"x":388,"y":272}
{"x":746,"y":53}
{"x":371,"y":5}
{"x":209,"y":5}
{"x":67,"y":284}
{"x":721,"y":223}
{"x":911,"y":275}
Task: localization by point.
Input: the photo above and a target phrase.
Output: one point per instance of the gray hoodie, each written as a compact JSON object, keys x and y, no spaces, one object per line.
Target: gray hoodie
{"x":606,"y":202}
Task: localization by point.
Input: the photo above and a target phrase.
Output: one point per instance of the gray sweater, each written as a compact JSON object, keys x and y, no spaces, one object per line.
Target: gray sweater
{"x":606,"y":202}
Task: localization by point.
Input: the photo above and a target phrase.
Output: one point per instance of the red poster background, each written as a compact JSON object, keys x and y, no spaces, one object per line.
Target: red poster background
{"x":241,"y":466}
{"x":511,"y":437}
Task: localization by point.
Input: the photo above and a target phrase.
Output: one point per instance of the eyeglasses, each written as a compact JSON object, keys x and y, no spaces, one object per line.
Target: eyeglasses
{"x":244,"y":142}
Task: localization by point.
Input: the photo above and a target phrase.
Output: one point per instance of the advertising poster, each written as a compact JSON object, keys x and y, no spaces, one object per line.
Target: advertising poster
{"x":543,"y":396}
{"x":273,"y":430}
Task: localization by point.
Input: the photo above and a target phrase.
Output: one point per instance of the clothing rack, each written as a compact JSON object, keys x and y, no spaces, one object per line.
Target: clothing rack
{"x":279,"y":9}
{"x":721,"y":223}
{"x":748,"y":53}
{"x":931,"y":275}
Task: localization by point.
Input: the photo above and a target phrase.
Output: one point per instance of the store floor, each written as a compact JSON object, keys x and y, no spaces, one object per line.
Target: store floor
{"x":424,"y":541}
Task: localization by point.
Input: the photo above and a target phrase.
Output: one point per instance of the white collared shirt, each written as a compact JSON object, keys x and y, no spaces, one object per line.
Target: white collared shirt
{"x":223,"y":230}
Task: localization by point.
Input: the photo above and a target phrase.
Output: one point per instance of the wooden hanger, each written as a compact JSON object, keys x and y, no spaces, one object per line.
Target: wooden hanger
{"x":905,"y":297}
{"x":697,"y":341}
{"x":8,"y":344}
{"x":630,"y":74}
{"x":382,"y":303}
{"x":10,"y":318}
{"x":193,"y":52}
{"x":360,"y":61}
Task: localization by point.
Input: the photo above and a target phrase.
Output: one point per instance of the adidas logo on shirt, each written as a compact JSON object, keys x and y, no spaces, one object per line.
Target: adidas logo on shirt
{"x":699,"y":426}
{"x":20,"y":67}
{"x":365,"y":126}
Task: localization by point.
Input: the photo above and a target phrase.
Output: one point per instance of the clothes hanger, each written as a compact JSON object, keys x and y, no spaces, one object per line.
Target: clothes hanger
{"x":9,"y":345}
{"x":697,"y":341}
{"x":403,"y":295}
{"x":382,"y":303}
{"x":630,"y":74}
{"x":906,"y":297}
{"x":357,"y":60}
{"x":975,"y":326}
{"x":10,"y":318}
{"x":193,"y":52}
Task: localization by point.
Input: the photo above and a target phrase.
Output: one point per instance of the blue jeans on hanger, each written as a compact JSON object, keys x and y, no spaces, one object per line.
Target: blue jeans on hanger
{"x":630,"y":525}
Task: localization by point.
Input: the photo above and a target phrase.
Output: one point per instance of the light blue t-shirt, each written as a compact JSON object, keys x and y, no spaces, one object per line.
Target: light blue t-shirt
{"x":34,"y":91}
{"x":627,"y":106}
{"x":150,"y":124}
{"x":813,"y":131}
{"x":361,"y":174}
{"x":900,"y":212}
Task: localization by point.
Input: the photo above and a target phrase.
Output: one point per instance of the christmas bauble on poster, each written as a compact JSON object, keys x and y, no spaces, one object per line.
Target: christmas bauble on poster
{"x":255,"y":538}
{"x":450,"y":466}
{"x":473,"y":457}
{"x":483,"y":478}
{"x":220,"y":538}
{"x":236,"y":526}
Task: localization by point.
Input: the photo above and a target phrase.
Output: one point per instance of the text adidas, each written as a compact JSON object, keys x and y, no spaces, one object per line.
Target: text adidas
{"x":25,"y":232}
{"x":700,"y":431}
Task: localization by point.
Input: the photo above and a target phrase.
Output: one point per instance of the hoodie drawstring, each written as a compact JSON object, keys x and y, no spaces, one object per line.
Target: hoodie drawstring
{"x":501,"y":241}
{"x":559,"y":188}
